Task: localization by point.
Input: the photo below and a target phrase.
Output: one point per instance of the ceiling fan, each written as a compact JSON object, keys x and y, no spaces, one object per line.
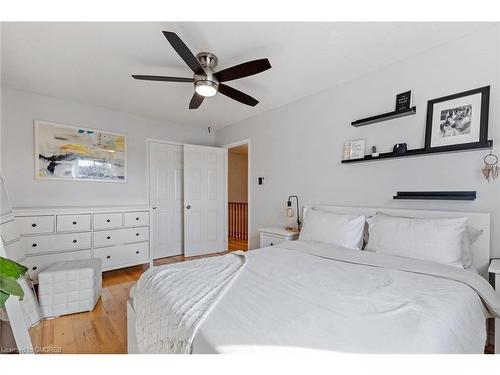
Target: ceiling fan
{"x":206,"y":81}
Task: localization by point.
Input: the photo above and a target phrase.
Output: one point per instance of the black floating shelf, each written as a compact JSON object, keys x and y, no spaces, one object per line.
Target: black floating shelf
{"x":423,"y":151}
{"x":385,"y":117}
{"x":437,"y":195}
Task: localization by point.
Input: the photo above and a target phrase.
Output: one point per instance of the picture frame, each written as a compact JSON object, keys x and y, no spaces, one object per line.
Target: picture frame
{"x":356,"y":149}
{"x":458,"y":121}
{"x":66,"y":152}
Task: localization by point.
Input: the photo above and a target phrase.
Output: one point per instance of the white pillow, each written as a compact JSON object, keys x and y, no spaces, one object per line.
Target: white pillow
{"x":437,"y":240}
{"x":470,"y":236}
{"x":332,"y":228}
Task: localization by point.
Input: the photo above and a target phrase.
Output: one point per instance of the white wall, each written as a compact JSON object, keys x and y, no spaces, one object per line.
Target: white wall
{"x":19,"y":109}
{"x":237,"y":182}
{"x":298,"y":147}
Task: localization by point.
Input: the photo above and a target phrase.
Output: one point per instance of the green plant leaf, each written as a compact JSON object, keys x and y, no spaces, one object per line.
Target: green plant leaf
{"x":11,"y":269}
{"x":3,"y":298}
{"x":11,"y":286}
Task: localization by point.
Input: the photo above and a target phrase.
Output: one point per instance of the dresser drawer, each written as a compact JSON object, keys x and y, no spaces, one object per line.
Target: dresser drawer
{"x":120,"y":236}
{"x":15,"y":250}
{"x":270,"y":240}
{"x":38,"y":263}
{"x":108,"y":220}
{"x":35,"y":224}
{"x":135,"y":219}
{"x":9,"y":231}
{"x":72,"y":223}
{"x":56,"y":242}
{"x":123,"y":255}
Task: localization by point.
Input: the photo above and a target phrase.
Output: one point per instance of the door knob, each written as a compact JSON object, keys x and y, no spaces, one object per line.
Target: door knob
{"x":188,"y":207}
{"x":154,"y":207}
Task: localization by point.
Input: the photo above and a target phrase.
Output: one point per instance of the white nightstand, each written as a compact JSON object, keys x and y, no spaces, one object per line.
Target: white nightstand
{"x":495,"y":269}
{"x":275,"y":235}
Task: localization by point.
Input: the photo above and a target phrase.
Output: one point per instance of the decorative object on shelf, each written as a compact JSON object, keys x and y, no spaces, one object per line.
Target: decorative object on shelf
{"x":490,"y":169}
{"x":400,"y":148}
{"x":354,"y":149}
{"x":374,"y":152}
{"x":437,"y":195}
{"x":459,"y":121}
{"x":385,"y":117}
{"x":289,"y":210}
{"x":347,"y":151}
{"x":403,"y":101}
{"x":71,"y":153}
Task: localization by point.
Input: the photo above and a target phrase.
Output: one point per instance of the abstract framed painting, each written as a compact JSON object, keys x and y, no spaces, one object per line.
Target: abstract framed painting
{"x":64,"y":152}
{"x":459,"y":121}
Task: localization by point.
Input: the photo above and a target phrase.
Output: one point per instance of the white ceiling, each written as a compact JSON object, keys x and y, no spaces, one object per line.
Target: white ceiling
{"x":92,"y":62}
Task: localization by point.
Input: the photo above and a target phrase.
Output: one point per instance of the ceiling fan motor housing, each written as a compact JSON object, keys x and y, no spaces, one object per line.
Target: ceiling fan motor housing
{"x":208,"y":61}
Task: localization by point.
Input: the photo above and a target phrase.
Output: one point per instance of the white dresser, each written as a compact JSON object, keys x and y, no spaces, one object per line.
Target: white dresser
{"x":10,"y":238}
{"x":118,"y":235}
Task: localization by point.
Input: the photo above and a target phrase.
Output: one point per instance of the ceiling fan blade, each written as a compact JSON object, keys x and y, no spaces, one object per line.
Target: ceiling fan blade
{"x":237,"y":95}
{"x":162,"y":78}
{"x":196,"y":101}
{"x":243,"y":70}
{"x":184,"y":52}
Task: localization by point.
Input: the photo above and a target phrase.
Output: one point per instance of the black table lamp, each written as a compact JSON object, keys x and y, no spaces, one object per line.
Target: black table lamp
{"x":289,"y":210}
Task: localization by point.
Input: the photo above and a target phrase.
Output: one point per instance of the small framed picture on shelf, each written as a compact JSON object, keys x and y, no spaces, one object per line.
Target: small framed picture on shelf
{"x":458,"y":121}
{"x":354,"y":149}
{"x":403,"y":101}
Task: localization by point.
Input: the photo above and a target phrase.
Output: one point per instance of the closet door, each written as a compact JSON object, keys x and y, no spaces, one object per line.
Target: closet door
{"x":166,"y":197}
{"x":205,"y":200}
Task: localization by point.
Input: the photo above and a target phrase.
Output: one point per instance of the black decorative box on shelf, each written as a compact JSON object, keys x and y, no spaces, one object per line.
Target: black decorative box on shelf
{"x":385,"y":117}
{"x":437,"y":195}
{"x":423,"y":151}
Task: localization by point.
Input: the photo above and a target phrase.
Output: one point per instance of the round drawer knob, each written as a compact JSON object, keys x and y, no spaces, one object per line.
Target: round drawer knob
{"x":271,"y":244}
{"x":137,"y":234}
{"x":33,"y":225}
{"x":136,"y":218}
{"x":108,"y":256}
{"x":108,"y":221}
{"x":137,"y":252}
{"x":74,"y":241}
{"x":74,"y":222}
{"x":34,"y":245}
{"x":109,"y":237}
{"x":34,"y":268}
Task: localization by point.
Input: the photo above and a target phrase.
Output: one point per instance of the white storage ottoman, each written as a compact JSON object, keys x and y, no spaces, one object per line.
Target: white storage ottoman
{"x":69,"y":287}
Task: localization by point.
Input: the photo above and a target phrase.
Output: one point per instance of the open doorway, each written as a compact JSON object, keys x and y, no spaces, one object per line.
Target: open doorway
{"x":237,"y":196}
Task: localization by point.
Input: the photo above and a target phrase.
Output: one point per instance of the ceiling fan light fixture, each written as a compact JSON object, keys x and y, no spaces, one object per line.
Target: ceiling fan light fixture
{"x":206,"y":88}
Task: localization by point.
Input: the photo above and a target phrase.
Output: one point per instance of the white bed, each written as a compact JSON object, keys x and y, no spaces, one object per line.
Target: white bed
{"x":307,"y":296}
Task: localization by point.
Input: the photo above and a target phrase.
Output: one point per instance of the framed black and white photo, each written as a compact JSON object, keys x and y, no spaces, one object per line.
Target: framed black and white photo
{"x":458,"y":121}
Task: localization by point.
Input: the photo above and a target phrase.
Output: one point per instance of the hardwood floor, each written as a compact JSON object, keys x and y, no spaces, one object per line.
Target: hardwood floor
{"x":103,"y":330}
{"x":237,"y":244}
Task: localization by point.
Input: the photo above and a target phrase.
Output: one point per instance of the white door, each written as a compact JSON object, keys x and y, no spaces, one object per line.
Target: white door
{"x":205,"y":200}
{"x":166,"y":194}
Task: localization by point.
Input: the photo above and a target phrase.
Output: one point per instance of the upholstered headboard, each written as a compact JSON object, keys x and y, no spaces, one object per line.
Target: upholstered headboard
{"x":479,"y":220}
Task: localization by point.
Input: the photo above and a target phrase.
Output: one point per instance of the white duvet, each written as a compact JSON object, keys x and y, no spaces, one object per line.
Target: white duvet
{"x":307,"y":296}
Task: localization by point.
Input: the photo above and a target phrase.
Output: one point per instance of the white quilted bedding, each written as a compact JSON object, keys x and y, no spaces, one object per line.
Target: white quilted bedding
{"x":171,"y":301}
{"x":306,"y":296}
